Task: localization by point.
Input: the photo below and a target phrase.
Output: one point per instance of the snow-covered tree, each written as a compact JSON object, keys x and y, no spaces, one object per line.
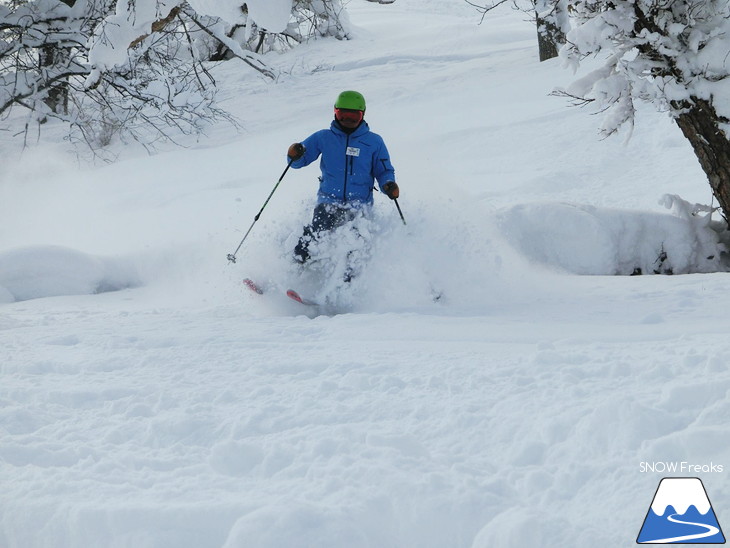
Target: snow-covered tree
{"x":107,"y":68}
{"x":138,"y":68}
{"x":322,"y":17}
{"x":278,"y":25}
{"x":673,"y":54}
{"x":39,"y":51}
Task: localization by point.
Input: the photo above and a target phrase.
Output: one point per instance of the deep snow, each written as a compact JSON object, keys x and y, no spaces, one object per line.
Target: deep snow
{"x":182,"y":410}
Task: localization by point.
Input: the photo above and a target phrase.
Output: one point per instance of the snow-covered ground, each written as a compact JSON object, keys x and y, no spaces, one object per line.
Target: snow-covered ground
{"x":148,"y":400}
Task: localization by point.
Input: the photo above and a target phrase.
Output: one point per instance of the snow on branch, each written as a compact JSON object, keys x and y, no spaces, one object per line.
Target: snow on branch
{"x":661,"y":53}
{"x":134,"y":21}
{"x":138,"y":68}
{"x":217,"y":31}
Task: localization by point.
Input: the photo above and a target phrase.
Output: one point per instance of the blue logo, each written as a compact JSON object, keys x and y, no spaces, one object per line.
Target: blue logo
{"x":680,"y":513}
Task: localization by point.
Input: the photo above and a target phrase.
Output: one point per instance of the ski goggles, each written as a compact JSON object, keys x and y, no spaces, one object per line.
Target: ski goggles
{"x":349,"y":115}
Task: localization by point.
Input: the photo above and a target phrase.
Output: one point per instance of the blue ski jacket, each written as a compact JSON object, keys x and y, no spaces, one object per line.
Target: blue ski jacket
{"x":350,"y":164}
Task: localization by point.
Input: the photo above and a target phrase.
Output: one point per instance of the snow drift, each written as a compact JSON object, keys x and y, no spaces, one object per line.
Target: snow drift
{"x":583,"y":239}
{"x":49,"y":271}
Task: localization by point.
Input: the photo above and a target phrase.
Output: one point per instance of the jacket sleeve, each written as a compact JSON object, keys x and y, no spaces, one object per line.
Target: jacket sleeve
{"x":383,"y":170}
{"x":312,"y":150}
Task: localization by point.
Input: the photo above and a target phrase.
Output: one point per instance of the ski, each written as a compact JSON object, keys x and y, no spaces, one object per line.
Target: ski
{"x":293,"y":295}
{"x":253,"y":286}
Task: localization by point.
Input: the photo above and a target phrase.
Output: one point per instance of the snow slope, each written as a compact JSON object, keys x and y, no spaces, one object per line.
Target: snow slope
{"x":148,"y":400}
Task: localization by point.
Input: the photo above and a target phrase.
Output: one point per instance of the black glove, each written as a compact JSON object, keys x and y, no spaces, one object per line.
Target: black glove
{"x":391,"y":190}
{"x":296,"y":151}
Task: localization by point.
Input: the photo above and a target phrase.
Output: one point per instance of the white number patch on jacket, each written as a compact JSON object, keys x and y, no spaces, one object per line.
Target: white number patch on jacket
{"x":352,"y":151}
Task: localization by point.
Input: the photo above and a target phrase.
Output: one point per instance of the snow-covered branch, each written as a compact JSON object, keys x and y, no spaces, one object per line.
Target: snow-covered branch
{"x":673,"y":55}
{"x":113,"y":62}
{"x":665,"y":54}
{"x":217,"y":31}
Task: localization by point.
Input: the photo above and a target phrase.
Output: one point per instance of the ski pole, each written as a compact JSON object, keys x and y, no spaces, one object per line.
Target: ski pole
{"x":232,"y":256}
{"x":399,"y":211}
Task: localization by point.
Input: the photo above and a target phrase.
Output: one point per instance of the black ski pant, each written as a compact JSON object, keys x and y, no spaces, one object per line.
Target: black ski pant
{"x":326,"y":217}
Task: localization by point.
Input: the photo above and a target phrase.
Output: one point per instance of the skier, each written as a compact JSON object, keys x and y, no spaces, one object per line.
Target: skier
{"x":353,"y":158}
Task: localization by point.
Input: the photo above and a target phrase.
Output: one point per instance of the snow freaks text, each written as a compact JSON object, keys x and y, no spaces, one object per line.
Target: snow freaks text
{"x":682,"y":467}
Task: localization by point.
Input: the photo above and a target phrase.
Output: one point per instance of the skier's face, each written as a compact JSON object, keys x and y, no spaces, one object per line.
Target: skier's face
{"x":349,"y":118}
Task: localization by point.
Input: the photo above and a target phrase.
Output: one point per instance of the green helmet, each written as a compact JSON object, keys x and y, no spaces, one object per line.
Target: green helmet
{"x":350,"y":100}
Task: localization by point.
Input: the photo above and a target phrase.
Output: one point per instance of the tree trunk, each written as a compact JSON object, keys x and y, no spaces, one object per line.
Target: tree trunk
{"x":549,"y":39}
{"x":549,"y":35}
{"x":52,"y":56}
{"x":700,"y":125}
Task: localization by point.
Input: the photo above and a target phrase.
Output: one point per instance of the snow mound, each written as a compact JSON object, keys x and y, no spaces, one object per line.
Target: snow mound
{"x":50,"y":271}
{"x":588,"y":240}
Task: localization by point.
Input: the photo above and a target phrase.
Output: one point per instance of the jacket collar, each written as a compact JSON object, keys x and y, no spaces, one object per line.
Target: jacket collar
{"x":362,"y":129}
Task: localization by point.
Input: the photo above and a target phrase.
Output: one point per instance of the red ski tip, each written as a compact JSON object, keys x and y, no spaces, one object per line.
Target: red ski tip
{"x":294,"y":295}
{"x":252,"y":286}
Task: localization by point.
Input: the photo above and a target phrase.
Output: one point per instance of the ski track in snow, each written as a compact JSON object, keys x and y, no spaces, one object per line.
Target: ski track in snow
{"x":183,"y":410}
